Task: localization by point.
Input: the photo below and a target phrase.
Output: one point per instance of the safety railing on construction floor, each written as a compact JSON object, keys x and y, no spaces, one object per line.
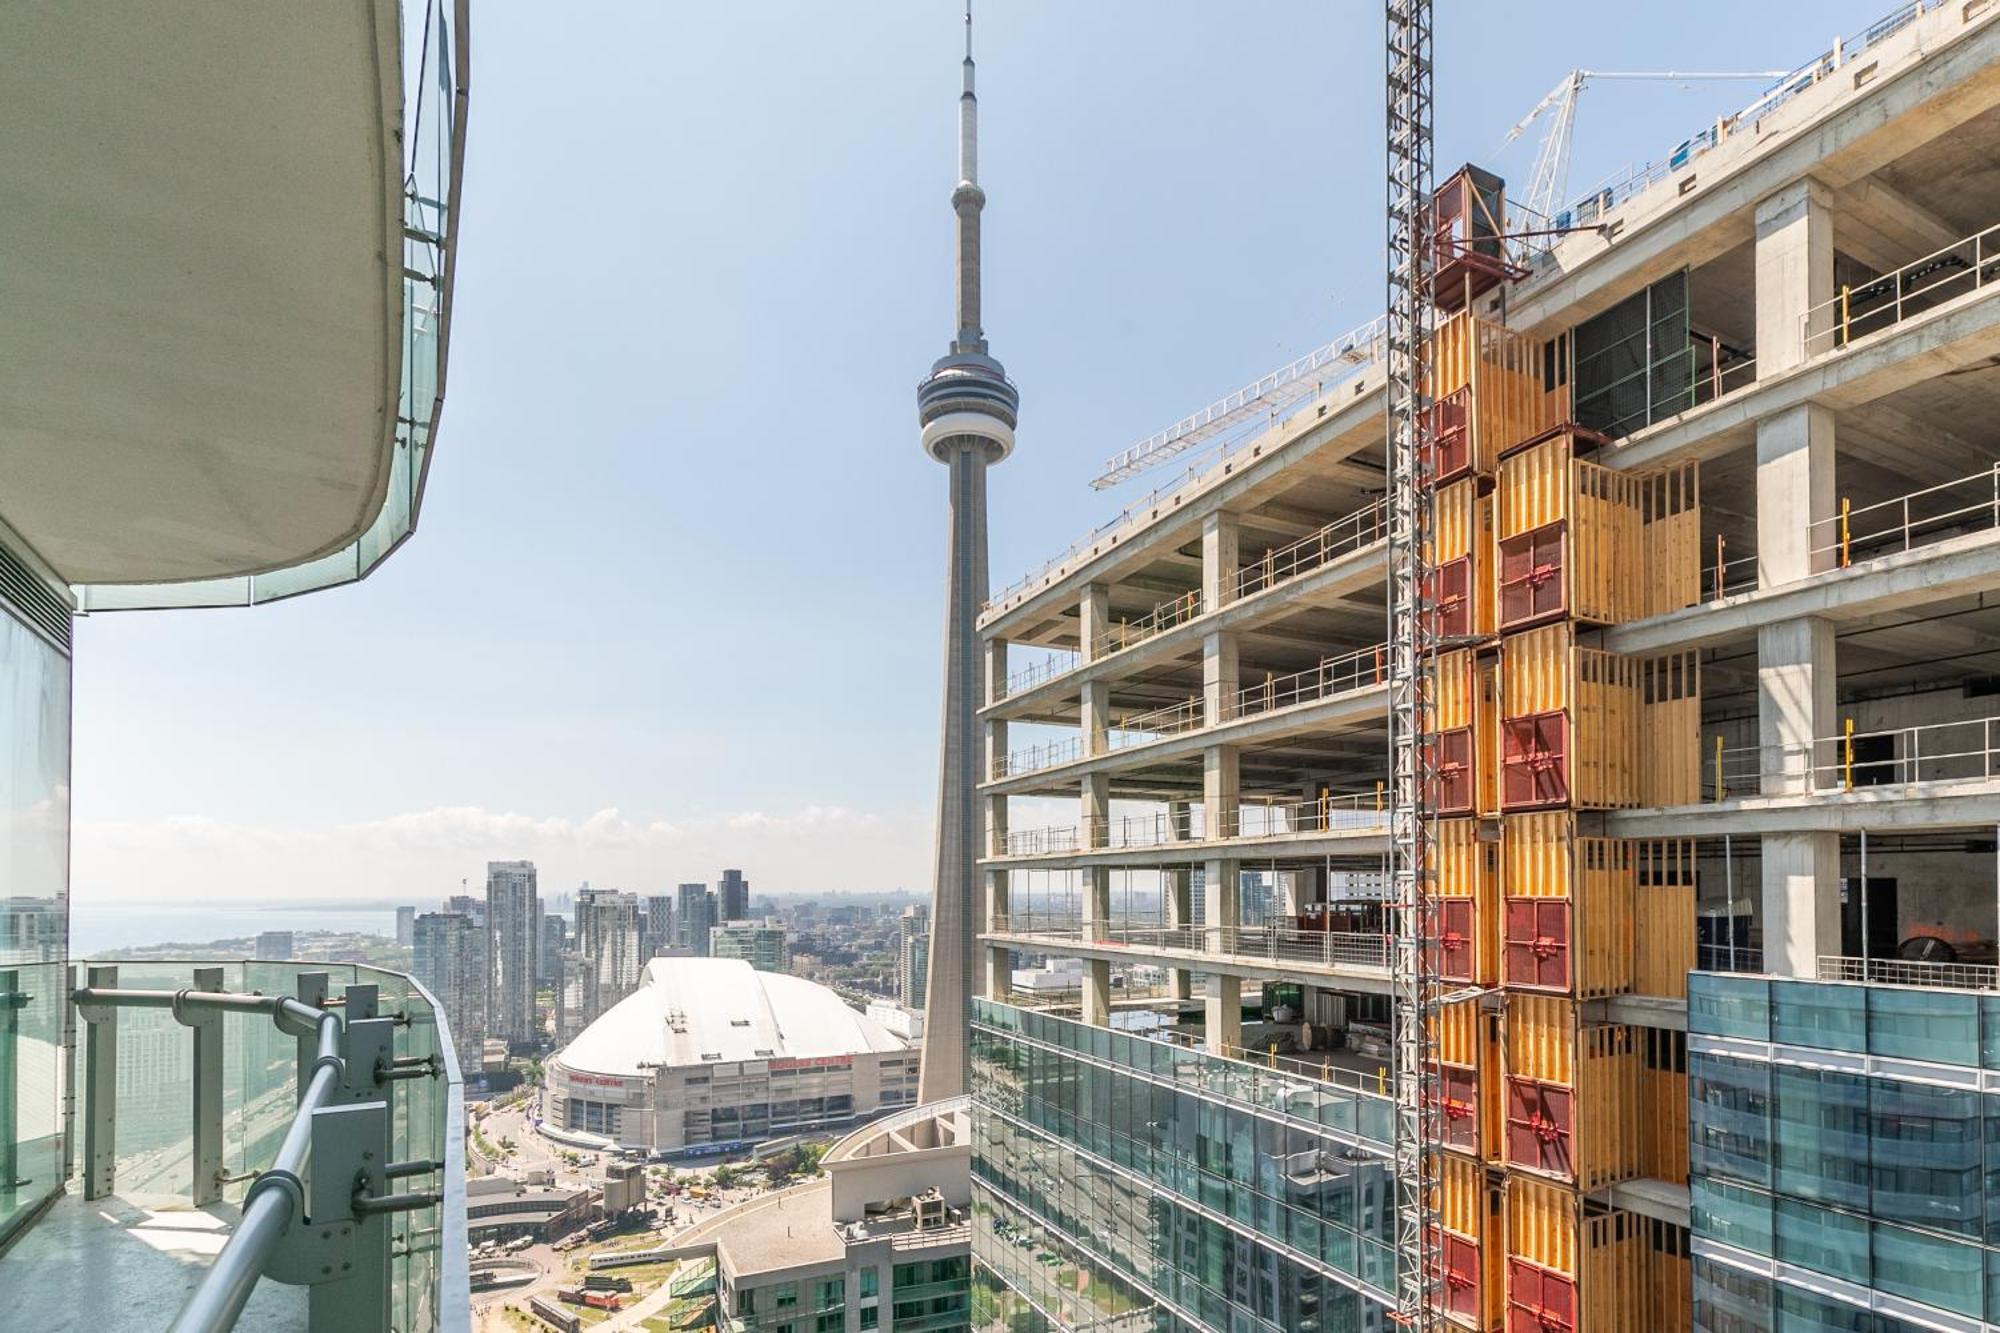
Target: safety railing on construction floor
{"x":1317,"y":1066}
{"x":1335,"y":675}
{"x":1922,"y":284}
{"x":1589,"y":207}
{"x":1275,"y":568}
{"x":1333,"y":812}
{"x":1028,"y":677}
{"x":1126,"y":633}
{"x":1254,"y":944}
{"x":375,"y":1101}
{"x":1967,"y":750}
{"x":1351,"y":354}
{"x":1904,"y":972}
{"x":1887,"y":527}
{"x":1934,"y":514}
{"x":1282,"y":564}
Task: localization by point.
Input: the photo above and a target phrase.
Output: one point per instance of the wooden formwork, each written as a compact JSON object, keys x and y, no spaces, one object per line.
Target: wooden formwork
{"x":1670,"y":694}
{"x":1485,"y":384}
{"x":1569,"y":723}
{"x":1470,"y":1244}
{"x":1670,"y":552}
{"x":1580,"y":541}
{"x":1567,"y":907}
{"x":1571,"y":1090}
{"x":1465,"y":894}
{"x":1663,"y":917}
{"x":1465,"y":725}
{"x":1568,"y":534}
{"x":1663,"y":1104}
{"x":1575,"y":1265}
{"x":1460,"y":578}
{"x":1467,"y":1047}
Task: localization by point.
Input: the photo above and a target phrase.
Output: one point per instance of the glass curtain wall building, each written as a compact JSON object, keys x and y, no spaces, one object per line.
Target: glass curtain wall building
{"x":1846,"y":1155}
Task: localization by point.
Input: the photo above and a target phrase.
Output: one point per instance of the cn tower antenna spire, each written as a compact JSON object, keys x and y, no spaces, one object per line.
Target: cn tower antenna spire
{"x":967,"y":408}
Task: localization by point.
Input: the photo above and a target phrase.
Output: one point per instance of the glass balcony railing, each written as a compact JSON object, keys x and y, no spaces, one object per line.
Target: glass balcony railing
{"x":308,"y":1116}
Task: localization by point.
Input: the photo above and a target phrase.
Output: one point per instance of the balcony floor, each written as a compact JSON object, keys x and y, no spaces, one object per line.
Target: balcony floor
{"x":111,"y":1265}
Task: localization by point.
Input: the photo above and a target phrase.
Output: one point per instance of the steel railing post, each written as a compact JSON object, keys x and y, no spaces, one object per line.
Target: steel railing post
{"x":310,"y":988}
{"x":100,"y":1090}
{"x":350,"y":1146}
{"x":205,"y":1102}
{"x":11,"y":1001}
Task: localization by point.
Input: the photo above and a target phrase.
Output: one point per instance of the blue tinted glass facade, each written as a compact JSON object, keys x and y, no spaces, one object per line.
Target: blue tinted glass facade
{"x":1118,"y":1179}
{"x":1850,"y":1134}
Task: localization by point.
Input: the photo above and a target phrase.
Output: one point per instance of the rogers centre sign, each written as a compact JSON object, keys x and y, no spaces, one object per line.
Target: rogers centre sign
{"x":815,"y":1062}
{"x":597,"y":1081}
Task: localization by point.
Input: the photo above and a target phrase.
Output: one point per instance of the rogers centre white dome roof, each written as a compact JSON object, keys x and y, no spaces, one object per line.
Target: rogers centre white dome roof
{"x":725,"y":1010}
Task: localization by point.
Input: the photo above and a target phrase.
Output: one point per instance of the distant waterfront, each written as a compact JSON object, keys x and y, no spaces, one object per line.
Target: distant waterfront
{"x":97,"y":927}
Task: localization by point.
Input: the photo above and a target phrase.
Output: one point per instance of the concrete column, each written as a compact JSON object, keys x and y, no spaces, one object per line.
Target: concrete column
{"x":1221,"y":790}
{"x":1794,"y":276}
{"x":1096,"y":925}
{"x":1177,"y":884}
{"x":996,"y":670}
{"x":1219,"y":681}
{"x":1221,"y":909}
{"x":996,"y":748}
{"x":1094,"y":714}
{"x":1219,"y":559}
{"x":996,"y":825}
{"x":1093,"y":618}
{"x":1795,"y":494}
{"x":1797,"y":713}
{"x":1801,"y":907}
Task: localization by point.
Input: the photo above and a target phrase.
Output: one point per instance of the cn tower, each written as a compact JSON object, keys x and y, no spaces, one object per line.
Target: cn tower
{"x":967,"y":408}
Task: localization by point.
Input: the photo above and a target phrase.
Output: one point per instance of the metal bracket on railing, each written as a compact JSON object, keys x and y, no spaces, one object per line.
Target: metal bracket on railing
{"x":370,"y":1050}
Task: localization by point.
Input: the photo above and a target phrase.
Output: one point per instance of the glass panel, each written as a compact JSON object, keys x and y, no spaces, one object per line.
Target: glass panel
{"x":1821,"y":1135}
{"x":1823,"y":1239}
{"x":1729,"y":1006}
{"x":1731,"y":1118}
{"x":34,"y":914}
{"x":1926,"y":1149}
{"x":1911,"y":1024}
{"x":1731,"y":1214}
{"x":1931,"y":1269}
{"x":1806,"y":1013}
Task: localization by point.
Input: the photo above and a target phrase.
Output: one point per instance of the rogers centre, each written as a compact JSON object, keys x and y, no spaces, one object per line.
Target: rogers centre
{"x":709,"y":1053}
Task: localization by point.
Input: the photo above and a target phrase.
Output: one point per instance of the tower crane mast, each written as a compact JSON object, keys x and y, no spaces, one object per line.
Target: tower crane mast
{"x":1412,"y":261}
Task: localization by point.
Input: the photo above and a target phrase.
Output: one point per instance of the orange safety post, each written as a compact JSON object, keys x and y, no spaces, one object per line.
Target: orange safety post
{"x":1845,"y":333}
{"x":1847,"y":762}
{"x":1721,"y":792}
{"x":1718,"y":566}
{"x":1846,"y":531}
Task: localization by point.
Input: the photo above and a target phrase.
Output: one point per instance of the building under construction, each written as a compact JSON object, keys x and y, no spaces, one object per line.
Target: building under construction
{"x":1710,"y":757}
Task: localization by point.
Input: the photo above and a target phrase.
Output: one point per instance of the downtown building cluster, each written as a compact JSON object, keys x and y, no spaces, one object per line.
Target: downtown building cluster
{"x":1711,"y":826}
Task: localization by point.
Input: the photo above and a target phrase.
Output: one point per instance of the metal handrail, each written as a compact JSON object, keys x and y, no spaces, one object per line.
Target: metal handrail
{"x":1835,"y":322}
{"x":1910,"y":972}
{"x":1349,"y":532}
{"x":1334,"y":675}
{"x":1160,"y":619}
{"x":275,"y":1199}
{"x":1256,"y":944}
{"x":1056,"y":664}
{"x":1806,"y":765}
{"x":1975,"y":504}
{"x":1361,"y":811}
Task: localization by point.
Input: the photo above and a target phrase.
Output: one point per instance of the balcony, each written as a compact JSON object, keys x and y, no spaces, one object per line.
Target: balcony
{"x":252,"y":1144}
{"x":237,"y":362}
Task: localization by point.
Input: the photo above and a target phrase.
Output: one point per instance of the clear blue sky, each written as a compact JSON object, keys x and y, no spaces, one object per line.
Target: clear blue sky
{"x":675,"y":602}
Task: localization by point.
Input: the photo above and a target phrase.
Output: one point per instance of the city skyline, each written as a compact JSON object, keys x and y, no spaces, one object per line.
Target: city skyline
{"x":274,"y":725}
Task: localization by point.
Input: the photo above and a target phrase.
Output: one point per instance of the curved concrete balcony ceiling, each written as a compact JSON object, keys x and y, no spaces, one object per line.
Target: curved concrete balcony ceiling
{"x":202,"y":300}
